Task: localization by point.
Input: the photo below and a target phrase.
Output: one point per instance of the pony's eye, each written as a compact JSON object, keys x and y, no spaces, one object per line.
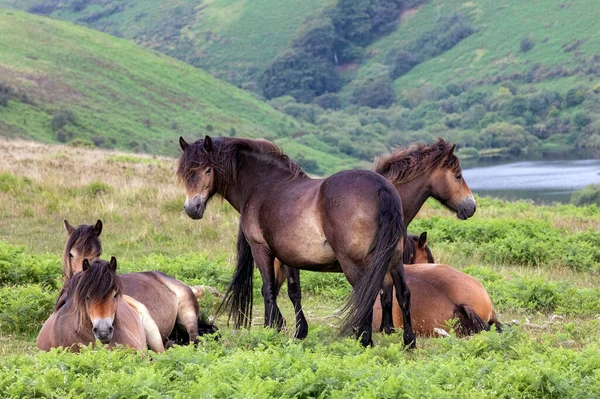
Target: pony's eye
{"x":115,"y":296}
{"x":207,"y":171}
{"x":71,"y":255}
{"x":459,"y":177}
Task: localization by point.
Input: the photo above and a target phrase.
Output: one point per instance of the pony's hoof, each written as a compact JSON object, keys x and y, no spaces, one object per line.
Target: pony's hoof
{"x":301,"y":332}
{"x":389,"y":330}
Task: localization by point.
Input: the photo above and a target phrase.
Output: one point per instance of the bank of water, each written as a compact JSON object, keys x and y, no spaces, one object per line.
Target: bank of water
{"x":541,"y":181}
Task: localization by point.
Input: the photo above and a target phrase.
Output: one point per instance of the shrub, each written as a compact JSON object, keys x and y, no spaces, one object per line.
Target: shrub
{"x":61,"y":118}
{"x":504,"y":134}
{"x":328,"y":101}
{"x":299,"y":75}
{"x":575,"y":96}
{"x":587,"y":196}
{"x":581,"y":120}
{"x":17,"y":267}
{"x":526,"y":44}
{"x":23,"y":309}
{"x":81,"y":143}
{"x":97,"y":188}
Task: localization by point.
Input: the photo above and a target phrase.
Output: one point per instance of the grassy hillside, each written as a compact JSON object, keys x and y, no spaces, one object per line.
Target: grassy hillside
{"x":59,"y":81}
{"x":539,"y":264}
{"x":233,"y":40}
{"x":503,"y":78}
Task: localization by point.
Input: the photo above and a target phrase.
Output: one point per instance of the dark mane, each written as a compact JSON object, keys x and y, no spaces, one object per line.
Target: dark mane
{"x":406,"y":164}
{"x":87,"y":238}
{"x":224,"y":157}
{"x":94,"y":285}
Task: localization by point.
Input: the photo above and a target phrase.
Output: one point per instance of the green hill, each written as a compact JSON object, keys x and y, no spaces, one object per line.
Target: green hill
{"x":59,"y":81}
{"x":504,"y":78}
{"x":233,"y":40}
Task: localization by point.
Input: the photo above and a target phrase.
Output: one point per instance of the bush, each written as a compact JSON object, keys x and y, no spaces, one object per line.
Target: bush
{"x":17,"y":267}
{"x":328,"y":101}
{"x":575,"y":96}
{"x":23,"y":309}
{"x":96,"y":189}
{"x":581,"y":120}
{"x":526,"y":44}
{"x":374,"y":89}
{"x":299,"y":75}
{"x":587,"y":196}
{"x":81,"y":143}
{"x":503,"y":134}
{"x":61,"y":118}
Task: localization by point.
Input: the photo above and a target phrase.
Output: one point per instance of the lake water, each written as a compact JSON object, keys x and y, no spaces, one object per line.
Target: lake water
{"x":541,"y":181}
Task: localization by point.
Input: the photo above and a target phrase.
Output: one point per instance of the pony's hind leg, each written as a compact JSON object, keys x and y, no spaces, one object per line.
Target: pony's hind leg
{"x":494,"y":320}
{"x":264,"y":261}
{"x":403,"y":297}
{"x":295,"y":294}
{"x":153,"y":337}
{"x":387,"y":295}
{"x":187,"y":314}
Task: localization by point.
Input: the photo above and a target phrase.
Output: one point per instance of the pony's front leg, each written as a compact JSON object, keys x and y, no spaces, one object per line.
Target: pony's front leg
{"x":295,"y":294}
{"x":264,"y":262}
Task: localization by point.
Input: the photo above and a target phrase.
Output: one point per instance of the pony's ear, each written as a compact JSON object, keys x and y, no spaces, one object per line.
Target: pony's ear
{"x":113,"y":263}
{"x":86,"y":264}
{"x":98,"y":228}
{"x":70,"y":229}
{"x":207,"y":143}
{"x":423,"y":239}
{"x":183,"y":144}
{"x":451,"y":152}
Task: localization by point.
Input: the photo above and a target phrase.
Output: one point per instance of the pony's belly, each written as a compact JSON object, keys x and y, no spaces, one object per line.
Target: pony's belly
{"x":318,"y":256}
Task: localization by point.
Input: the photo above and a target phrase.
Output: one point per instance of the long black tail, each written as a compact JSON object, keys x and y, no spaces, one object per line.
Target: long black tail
{"x":390,"y":230}
{"x":468,"y":321}
{"x":238,"y":299}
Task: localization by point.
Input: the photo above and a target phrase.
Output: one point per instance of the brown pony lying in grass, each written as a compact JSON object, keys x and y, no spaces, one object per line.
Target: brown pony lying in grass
{"x":439,"y":294}
{"x":92,"y":307}
{"x":169,"y":302}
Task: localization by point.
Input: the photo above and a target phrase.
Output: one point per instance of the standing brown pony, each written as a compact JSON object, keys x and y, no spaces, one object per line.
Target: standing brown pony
{"x":351,"y":220}
{"x":167,"y":300}
{"x":92,"y":307}
{"x":418,"y":172}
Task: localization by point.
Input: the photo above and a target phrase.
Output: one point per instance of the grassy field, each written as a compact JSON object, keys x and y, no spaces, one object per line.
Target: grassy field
{"x":75,"y":82}
{"x":540,"y":265}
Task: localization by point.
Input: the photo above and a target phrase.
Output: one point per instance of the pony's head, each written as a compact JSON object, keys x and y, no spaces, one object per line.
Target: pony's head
{"x":445,"y":182}
{"x":416,"y":250}
{"x":449,"y":187}
{"x":83,"y":242}
{"x":97,"y":295}
{"x":196,"y":170}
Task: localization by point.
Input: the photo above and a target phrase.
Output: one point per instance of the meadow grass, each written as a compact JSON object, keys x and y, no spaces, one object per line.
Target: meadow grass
{"x":550,"y":349}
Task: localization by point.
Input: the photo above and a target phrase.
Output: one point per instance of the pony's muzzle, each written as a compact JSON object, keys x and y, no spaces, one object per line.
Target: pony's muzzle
{"x":103,"y":330}
{"x":194,"y":208}
{"x":466,"y":208}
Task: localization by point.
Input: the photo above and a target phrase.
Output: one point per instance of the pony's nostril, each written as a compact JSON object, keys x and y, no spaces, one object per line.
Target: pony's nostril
{"x":110,"y":329}
{"x":95,"y":330}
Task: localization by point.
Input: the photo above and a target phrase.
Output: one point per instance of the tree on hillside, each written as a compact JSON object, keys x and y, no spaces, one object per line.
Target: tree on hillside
{"x":297,"y":74}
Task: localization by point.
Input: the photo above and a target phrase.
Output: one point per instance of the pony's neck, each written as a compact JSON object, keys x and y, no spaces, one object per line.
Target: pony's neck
{"x":255,"y":173}
{"x":413,"y":194}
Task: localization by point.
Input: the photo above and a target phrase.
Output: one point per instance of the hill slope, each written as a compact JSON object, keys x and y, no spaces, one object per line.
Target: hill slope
{"x":234,"y":40}
{"x":59,"y":81}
